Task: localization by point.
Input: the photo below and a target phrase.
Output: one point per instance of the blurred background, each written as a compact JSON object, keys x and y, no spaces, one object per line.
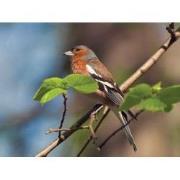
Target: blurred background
{"x":30,"y":53}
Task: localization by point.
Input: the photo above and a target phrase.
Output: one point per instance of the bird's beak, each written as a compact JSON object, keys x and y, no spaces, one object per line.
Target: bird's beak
{"x":69,"y":53}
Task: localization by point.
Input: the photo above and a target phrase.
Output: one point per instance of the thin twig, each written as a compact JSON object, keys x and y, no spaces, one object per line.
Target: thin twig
{"x":118,"y":130}
{"x":52,"y":130}
{"x":124,"y":87}
{"x":64,"y":114}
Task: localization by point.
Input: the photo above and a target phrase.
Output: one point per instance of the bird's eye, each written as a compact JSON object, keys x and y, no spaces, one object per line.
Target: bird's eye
{"x":78,"y":49}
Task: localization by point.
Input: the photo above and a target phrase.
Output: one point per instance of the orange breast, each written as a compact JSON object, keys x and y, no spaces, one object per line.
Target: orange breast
{"x":79,"y":66}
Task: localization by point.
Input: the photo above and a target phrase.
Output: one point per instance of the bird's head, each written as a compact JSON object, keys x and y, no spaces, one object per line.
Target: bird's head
{"x":82,"y":52}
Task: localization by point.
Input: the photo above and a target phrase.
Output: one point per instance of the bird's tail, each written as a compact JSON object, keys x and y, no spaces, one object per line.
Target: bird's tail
{"x":122,"y":116}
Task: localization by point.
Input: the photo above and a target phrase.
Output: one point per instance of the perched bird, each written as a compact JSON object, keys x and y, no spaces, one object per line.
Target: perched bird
{"x":84,"y":61}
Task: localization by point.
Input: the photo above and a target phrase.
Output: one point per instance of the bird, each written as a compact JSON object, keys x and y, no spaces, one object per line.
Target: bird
{"x":84,"y":61}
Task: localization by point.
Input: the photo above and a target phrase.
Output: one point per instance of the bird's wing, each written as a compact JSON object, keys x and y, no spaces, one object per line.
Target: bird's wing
{"x":101,"y":74}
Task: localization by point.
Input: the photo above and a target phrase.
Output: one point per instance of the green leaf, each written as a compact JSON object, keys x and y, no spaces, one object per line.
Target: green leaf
{"x":135,"y":95}
{"x":51,"y":95}
{"x":47,"y":85}
{"x":40,"y":92}
{"x":81,"y":83}
{"x":55,"y":82}
{"x":157,"y":87}
{"x":152,"y":104}
{"x":168,"y":107}
{"x":170,"y":95}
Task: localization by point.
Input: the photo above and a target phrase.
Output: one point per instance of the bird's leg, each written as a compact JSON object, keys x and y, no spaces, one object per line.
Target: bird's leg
{"x":90,"y":126}
{"x":92,"y":119}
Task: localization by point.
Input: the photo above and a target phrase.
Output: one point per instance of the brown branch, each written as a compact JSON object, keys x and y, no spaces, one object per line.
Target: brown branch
{"x":52,"y":130}
{"x":124,"y":87}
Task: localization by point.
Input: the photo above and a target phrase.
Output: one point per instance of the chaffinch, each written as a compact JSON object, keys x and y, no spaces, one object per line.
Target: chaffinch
{"x":84,"y":61}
